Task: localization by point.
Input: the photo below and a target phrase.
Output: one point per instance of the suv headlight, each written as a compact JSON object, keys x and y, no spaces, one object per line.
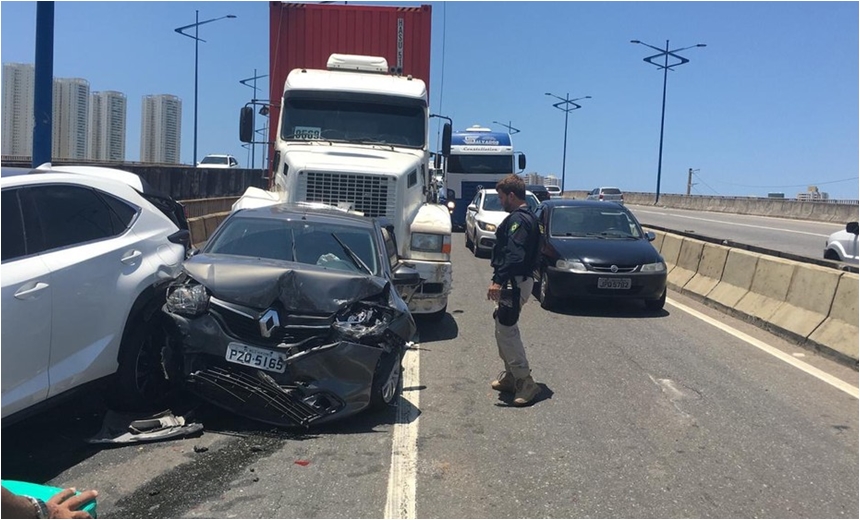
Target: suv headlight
{"x":571,"y":265}
{"x":431,"y":243}
{"x":657,"y":267}
{"x":486,"y":226}
{"x":188,"y":300}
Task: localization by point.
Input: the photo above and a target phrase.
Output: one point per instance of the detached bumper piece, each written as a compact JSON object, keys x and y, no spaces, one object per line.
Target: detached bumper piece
{"x":259,"y":397}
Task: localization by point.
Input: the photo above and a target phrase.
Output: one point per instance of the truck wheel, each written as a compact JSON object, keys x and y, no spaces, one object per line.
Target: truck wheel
{"x":436,"y":317}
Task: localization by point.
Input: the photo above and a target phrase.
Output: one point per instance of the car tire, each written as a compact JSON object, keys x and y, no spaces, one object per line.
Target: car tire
{"x":469,"y":243}
{"x":140,"y":382}
{"x":386,"y":380}
{"x":547,"y":301}
{"x":656,"y":305}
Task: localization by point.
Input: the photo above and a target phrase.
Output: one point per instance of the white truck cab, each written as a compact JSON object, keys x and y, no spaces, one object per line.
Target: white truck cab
{"x":356,"y":137}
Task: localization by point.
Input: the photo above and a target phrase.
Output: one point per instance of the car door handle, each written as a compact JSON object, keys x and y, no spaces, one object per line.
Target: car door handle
{"x":131,"y":257}
{"x":25,"y":294}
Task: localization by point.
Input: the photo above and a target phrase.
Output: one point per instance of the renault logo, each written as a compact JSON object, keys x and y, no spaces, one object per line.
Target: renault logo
{"x":269,"y":322}
{"x":614,"y":268}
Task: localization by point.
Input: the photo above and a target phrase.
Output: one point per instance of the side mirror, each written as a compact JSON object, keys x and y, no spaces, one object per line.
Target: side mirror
{"x":522,"y":161}
{"x":651,"y":236}
{"x":446,"y":140}
{"x":472,"y":207}
{"x":852,"y":227}
{"x":406,"y":276}
{"x":246,"y":125}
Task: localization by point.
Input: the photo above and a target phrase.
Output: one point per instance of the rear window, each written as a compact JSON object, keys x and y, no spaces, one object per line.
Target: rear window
{"x":611,"y":191}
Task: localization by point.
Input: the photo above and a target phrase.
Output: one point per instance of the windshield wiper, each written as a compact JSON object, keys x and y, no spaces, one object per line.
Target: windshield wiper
{"x":596,"y":235}
{"x":293,"y":245}
{"x":352,"y":256}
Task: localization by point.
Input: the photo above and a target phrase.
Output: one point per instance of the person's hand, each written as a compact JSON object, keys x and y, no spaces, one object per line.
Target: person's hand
{"x":494,"y":291}
{"x":67,"y":504}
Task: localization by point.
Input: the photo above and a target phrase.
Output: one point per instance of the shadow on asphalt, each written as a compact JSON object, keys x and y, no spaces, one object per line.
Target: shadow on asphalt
{"x":444,"y":329}
{"x":606,"y":309}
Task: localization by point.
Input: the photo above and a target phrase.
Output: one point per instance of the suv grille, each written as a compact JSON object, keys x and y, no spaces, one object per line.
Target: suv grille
{"x":372,"y":195}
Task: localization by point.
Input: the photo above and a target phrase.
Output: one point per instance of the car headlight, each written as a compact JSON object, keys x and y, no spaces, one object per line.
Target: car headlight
{"x":431,"y":243}
{"x":571,"y":265}
{"x":188,"y":300}
{"x":657,"y":267}
{"x":451,"y":204}
{"x":486,"y":226}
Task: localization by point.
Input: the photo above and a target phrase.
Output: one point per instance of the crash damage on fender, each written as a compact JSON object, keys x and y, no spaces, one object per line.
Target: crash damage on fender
{"x":286,"y":342}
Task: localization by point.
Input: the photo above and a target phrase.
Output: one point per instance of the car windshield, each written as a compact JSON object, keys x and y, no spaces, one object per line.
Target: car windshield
{"x":480,"y":163}
{"x":214,"y":160}
{"x":590,"y":222}
{"x":492,"y":202}
{"x":305,"y":242}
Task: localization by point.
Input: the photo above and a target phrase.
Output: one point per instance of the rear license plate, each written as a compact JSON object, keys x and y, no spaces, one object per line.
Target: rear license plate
{"x":613,"y":283}
{"x":256,"y":357}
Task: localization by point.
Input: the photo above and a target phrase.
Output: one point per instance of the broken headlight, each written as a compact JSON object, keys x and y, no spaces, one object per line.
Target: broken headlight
{"x":361,"y":320}
{"x":188,"y":300}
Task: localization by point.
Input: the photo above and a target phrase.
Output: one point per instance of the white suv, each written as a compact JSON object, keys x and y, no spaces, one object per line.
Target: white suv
{"x":218,"y":161}
{"x":606,"y":193}
{"x":87,"y":254}
{"x":842,"y":245}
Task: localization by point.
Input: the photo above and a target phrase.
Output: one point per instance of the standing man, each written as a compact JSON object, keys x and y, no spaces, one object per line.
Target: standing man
{"x":513,"y":261}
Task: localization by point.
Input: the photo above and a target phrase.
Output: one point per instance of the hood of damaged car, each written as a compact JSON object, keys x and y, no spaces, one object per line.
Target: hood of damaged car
{"x":258,"y":282}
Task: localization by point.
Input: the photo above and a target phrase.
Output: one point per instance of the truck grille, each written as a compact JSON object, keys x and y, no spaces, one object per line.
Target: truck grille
{"x":372,"y":195}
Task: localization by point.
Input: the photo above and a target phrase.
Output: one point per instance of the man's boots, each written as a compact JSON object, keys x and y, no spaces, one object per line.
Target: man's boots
{"x":526,"y":391}
{"x":505,"y":383}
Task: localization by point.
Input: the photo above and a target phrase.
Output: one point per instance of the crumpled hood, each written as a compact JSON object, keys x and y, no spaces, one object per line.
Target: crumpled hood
{"x":258,"y":282}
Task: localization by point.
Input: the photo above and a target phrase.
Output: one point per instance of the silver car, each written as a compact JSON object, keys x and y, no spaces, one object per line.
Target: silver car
{"x":606,"y":193}
{"x":842,"y":245}
{"x":483,"y":216}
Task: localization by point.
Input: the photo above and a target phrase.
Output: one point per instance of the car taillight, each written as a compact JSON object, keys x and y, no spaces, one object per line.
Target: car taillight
{"x":600,"y":197}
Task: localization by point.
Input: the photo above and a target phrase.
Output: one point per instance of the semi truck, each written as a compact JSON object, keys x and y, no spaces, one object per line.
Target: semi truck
{"x":355,"y":134}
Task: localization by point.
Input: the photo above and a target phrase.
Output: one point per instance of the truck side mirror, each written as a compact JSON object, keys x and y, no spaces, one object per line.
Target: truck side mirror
{"x":246,"y":125}
{"x":522,"y":161}
{"x":446,"y":139}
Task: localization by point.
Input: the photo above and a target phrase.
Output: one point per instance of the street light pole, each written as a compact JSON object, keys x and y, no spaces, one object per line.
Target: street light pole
{"x":197,"y":23}
{"x":664,"y":53}
{"x":511,"y":130}
{"x":567,"y":106}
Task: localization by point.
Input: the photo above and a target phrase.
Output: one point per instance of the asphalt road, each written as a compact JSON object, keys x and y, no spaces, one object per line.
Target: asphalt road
{"x":800,"y":237}
{"x":640,"y":415}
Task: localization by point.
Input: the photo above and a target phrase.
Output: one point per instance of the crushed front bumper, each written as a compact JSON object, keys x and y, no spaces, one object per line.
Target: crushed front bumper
{"x":432,"y":295}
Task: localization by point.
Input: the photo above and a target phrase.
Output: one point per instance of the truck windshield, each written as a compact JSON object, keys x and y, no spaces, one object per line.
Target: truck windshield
{"x":351,"y":120}
{"x":480,"y":164}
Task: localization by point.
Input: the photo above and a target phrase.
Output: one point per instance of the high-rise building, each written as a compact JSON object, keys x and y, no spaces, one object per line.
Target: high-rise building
{"x":18,"y":92}
{"x":551,"y":180}
{"x":71,"y":109}
{"x":107,"y":126}
{"x":160,"y":126}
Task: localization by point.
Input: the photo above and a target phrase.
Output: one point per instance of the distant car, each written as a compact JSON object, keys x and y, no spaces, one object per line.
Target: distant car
{"x":606,"y":193}
{"x":593,"y":250}
{"x":294,"y":315}
{"x":218,"y":161}
{"x":842,"y":245}
{"x":554,"y":191}
{"x":483,"y":215}
{"x":87,"y":254}
{"x":539,"y":190}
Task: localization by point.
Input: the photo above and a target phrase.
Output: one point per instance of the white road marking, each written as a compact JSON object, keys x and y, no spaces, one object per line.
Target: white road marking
{"x":809,"y":369}
{"x":733,"y":223}
{"x":400,"y":502}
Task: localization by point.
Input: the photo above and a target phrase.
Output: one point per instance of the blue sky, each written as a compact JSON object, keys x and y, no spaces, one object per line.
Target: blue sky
{"x":771,"y":104}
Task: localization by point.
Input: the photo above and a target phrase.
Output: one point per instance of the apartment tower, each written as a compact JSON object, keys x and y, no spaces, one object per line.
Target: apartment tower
{"x":107,"y":126}
{"x":160,"y":126}
{"x":70,"y":112}
{"x":18,"y":93}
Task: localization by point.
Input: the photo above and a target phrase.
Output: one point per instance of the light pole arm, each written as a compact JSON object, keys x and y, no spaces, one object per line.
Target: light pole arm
{"x":180,"y":29}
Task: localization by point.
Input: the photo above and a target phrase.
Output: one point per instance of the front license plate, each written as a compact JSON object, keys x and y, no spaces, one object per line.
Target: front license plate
{"x":256,"y":357}
{"x":613,"y":283}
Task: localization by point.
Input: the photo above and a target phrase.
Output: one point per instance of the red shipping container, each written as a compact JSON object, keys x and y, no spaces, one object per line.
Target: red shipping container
{"x":305,"y":35}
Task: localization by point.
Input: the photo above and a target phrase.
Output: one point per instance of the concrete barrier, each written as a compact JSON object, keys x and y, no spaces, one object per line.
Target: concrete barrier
{"x":709,"y":271}
{"x":687,"y":263}
{"x":813,"y":306}
{"x":840,"y":329}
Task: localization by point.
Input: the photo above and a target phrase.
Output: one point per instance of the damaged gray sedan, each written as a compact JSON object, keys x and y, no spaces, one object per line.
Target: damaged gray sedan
{"x":293,"y":315}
